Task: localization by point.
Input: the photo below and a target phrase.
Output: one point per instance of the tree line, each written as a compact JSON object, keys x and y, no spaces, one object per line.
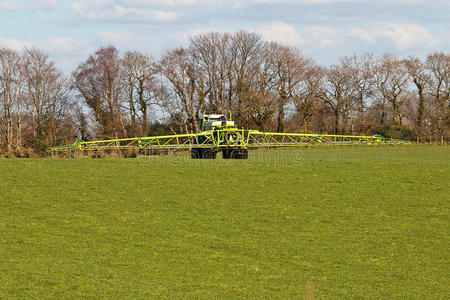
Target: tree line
{"x":265,"y":85}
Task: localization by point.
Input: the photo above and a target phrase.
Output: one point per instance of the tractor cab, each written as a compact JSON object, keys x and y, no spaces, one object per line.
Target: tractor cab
{"x":215,"y":121}
{"x":219,"y":134}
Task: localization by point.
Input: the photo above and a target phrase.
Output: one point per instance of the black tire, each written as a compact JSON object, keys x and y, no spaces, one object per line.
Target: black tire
{"x":234,"y":154}
{"x":244,"y":154}
{"x":239,"y":154}
{"x":196,"y":153}
{"x":208,"y":154}
{"x":226,"y":153}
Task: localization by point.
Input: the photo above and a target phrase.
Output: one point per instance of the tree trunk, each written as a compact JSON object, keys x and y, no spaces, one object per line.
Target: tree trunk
{"x":9,"y":127}
{"x":143,"y":108}
{"x":280,"y":117}
{"x":144,"y":120}
{"x":8,"y":115}
{"x":421,"y":107}
{"x":395,"y":113}
{"x":336,"y":121}
{"x":19,"y":125}
{"x":363,"y":113}
{"x":132,"y":108}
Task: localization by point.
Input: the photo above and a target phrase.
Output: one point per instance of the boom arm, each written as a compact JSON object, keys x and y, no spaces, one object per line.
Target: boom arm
{"x":224,"y":138}
{"x":180,"y":141}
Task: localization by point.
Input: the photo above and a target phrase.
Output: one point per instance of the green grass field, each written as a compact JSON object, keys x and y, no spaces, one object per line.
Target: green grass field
{"x":349,"y":222}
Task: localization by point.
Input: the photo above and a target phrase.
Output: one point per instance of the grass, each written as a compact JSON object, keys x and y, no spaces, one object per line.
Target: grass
{"x":349,"y":222}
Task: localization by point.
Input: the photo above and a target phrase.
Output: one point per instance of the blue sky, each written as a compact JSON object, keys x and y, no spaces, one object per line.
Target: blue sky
{"x":323,"y":29}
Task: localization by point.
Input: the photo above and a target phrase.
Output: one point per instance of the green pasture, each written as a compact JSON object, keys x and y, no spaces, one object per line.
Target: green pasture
{"x":322,"y":222}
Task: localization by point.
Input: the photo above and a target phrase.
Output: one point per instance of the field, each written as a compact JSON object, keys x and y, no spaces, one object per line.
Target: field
{"x":349,"y":222}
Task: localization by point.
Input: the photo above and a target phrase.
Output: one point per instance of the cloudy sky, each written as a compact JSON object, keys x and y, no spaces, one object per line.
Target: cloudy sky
{"x":324,"y":29}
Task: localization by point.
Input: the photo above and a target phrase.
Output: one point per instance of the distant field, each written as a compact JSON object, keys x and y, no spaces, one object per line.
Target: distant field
{"x":349,"y":222}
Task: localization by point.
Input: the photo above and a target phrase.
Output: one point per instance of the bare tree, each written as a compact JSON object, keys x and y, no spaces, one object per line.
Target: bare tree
{"x":20,"y":101}
{"x":307,"y":96}
{"x":215,"y":61}
{"x":439,"y":66}
{"x":339,"y":94}
{"x":11,"y":93}
{"x":184,"y":96}
{"x":98,"y":81}
{"x":260,"y":100}
{"x":360,"y":71}
{"x":421,"y":79}
{"x":58,"y":109}
{"x":140,"y":76}
{"x":247,"y":49}
{"x":48,"y":94}
{"x":392,"y":84}
{"x":290,"y":68}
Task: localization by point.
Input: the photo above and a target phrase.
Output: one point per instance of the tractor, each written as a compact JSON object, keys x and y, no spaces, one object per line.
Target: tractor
{"x":222,"y":135}
{"x":219,"y":134}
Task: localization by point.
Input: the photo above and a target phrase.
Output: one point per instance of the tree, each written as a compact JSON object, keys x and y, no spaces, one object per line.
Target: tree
{"x":48,"y":94}
{"x":212,"y":50}
{"x":290,"y":68}
{"x":421,"y":79}
{"x":439,"y":66}
{"x":307,"y":96}
{"x":339,"y":93}
{"x":260,"y":98}
{"x":247,"y":48}
{"x":98,"y":82}
{"x":11,"y":93}
{"x":139,"y":73}
{"x":360,"y":72}
{"x":184,"y":97}
{"x":392,"y":83}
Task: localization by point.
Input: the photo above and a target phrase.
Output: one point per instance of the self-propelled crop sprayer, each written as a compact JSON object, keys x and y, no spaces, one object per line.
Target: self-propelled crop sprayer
{"x":219,"y":134}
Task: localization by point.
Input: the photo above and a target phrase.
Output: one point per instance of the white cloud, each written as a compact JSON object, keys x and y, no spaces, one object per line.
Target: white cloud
{"x":116,"y":38}
{"x":125,"y":40}
{"x":329,"y":43}
{"x":402,"y":36}
{"x":11,"y":6}
{"x":104,"y":10}
{"x":157,"y":15}
{"x":59,"y":45}
{"x":322,"y":36}
{"x":175,"y":4}
{"x":14,"y":44}
{"x":345,"y":1}
{"x":130,"y":41}
{"x":170,"y":3}
{"x":239,"y":3}
{"x":88,"y":8}
{"x":63,"y":45}
{"x":44,"y":5}
{"x":280,"y":32}
{"x":29,"y":5}
{"x":66,"y":52}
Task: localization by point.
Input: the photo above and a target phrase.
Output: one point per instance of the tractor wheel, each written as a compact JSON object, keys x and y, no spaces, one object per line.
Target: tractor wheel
{"x":226,"y":153}
{"x":239,"y":154}
{"x":244,"y":154}
{"x":208,"y":154}
{"x":196,"y":153}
